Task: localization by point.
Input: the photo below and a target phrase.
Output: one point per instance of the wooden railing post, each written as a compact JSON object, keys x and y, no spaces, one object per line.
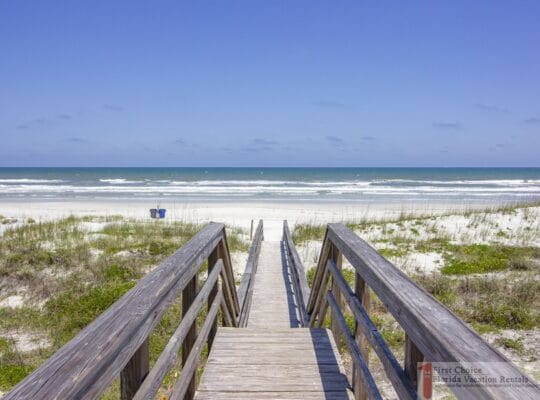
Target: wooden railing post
{"x":212,"y":259}
{"x":336,"y":257}
{"x":361,"y":290}
{"x":413,"y":356}
{"x":134,"y":372}
{"x":188,"y":295}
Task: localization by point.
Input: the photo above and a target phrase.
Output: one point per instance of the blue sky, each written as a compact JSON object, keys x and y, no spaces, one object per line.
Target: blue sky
{"x":269,"y":83}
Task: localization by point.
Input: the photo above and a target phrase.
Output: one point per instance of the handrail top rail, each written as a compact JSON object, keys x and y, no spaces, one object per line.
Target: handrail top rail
{"x":86,"y":365}
{"x":303,"y":290}
{"x":439,"y":334}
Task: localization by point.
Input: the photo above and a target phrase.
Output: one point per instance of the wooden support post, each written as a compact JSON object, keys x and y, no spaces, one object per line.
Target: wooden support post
{"x":336,"y":257}
{"x":134,"y":372}
{"x":413,"y":356}
{"x":212,"y":259}
{"x":188,"y":295}
{"x":251,"y":231}
{"x":361,"y":291}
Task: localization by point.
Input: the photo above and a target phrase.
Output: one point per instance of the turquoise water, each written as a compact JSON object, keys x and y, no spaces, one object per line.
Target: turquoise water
{"x":319,"y":184}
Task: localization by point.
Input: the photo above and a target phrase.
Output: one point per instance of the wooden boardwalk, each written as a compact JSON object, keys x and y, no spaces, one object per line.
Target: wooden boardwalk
{"x":265,"y":349}
{"x":273,"y":358}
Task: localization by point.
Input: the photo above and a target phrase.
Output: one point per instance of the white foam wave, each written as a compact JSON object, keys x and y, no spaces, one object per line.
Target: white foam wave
{"x":472,"y":182}
{"x":30,"y":180}
{"x":119,"y":181}
{"x":257,"y":189}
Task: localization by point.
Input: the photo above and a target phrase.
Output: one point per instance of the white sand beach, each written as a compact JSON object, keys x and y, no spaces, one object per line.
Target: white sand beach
{"x":238,"y":214}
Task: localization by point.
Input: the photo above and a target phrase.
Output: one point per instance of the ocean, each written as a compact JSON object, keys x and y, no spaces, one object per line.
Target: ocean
{"x":273,"y":184}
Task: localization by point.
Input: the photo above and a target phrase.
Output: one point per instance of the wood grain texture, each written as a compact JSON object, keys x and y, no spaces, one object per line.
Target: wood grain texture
{"x":273,"y":302}
{"x":397,"y":376}
{"x":188,"y":297}
{"x":336,"y":260}
{"x":212,"y":261}
{"x":245,"y":290}
{"x":319,"y":272}
{"x":372,"y":392}
{"x":413,"y":356}
{"x":89,"y":363}
{"x":277,"y":363}
{"x":361,"y":292}
{"x":438,"y":333}
{"x":135,"y":372}
{"x":169,"y":356}
{"x":182,"y":387}
{"x":301,"y":287}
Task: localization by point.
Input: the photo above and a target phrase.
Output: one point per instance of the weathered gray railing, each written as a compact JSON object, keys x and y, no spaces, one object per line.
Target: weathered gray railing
{"x":299,"y":280}
{"x":433,"y":333}
{"x":116,"y":343}
{"x":245,"y":290}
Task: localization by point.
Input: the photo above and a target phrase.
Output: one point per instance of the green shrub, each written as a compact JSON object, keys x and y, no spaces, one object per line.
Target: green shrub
{"x":70,"y":312}
{"x":481,"y":258}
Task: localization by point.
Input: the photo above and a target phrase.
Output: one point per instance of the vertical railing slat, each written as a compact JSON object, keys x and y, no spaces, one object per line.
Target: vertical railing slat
{"x":361,"y":290}
{"x":188,"y":295}
{"x":212,"y":259}
{"x":134,"y":372}
{"x":413,"y":356}
{"x":337,"y":259}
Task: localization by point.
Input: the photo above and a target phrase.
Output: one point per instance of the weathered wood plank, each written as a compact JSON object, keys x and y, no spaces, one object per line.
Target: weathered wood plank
{"x":319,"y":272}
{"x":403,"y":386}
{"x":361,"y":291}
{"x":224,"y":253}
{"x":293,"y":395}
{"x":134,"y":372}
{"x":188,"y":297}
{"x":336,"y":259}
{"x":372,"y":391}
{"x":301,"y":284}
{"x":88,"y":364}
{"x":413,"y":356}
{"x":182,"y":386}
{"x":212,"y":260}
{"x":272,"y":301}
{"x":248,"y":278}
{"x":320,"y":300}
{"x":438,"y":333}
{"x":169,"y":356}
{"x":282,"y":363}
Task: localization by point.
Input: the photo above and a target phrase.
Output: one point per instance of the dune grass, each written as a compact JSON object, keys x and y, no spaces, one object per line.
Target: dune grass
{"x":70,"y":271}
{"x":469,"y":281}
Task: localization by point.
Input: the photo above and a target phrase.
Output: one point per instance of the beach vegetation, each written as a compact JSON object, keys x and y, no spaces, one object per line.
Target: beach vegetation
{"x":71,"y":270}
{"x":484,"y":266}
{"x":307,"y":232}
{"x":481,"y":258}
{"x":515,"y":345}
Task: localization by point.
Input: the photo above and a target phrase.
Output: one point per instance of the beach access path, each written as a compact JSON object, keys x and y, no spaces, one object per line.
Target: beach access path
{"x":273,"y":358}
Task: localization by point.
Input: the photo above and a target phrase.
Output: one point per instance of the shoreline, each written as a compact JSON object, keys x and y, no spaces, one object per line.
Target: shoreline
{"x":232,"y":213}
{"x":231,"y":210}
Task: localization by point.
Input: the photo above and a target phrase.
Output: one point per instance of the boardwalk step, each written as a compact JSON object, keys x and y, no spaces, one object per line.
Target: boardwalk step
{"x":296,"y":363}
{"x":273,"y":358}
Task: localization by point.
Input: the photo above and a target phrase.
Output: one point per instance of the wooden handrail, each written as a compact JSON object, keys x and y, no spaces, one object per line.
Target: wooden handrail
{"x":434,"y":333}
{"x":359,"y":362}
{"x":117,"y":341}
{"x":245,"y":290}
{"x":394,"y":371}
{"x":300,"y":283}
{"x":169,"y":356}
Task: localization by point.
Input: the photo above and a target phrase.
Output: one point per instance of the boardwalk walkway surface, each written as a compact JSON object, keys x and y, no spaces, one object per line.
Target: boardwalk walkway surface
{"x":273,"y":358}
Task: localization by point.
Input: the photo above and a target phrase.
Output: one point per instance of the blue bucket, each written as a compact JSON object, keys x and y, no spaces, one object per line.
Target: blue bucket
{"x":162,"y":212}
